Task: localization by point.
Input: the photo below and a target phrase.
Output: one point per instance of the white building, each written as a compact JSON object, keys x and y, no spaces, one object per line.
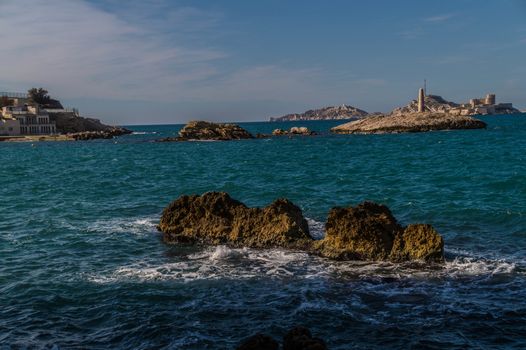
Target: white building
{"x":31,"y":120}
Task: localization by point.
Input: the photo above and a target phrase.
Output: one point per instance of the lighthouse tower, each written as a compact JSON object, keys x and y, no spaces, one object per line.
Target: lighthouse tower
{"x":421,"y":101}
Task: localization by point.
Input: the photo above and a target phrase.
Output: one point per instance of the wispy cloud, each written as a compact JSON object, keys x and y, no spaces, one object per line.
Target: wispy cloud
{"x":439,"y":18}
{"x":80,"y":49}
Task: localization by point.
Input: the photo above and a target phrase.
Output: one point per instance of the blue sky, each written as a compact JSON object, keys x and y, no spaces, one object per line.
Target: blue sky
{"x":161,"y":61}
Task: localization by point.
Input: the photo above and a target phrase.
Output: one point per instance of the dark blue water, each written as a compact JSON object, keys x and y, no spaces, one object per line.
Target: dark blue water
{"x":82,"y":266}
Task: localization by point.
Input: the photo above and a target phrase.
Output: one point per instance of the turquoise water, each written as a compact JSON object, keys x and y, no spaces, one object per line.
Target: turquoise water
{"x":82,"y":265}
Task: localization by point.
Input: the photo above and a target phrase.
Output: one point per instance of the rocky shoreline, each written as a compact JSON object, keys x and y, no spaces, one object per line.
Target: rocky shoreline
{"x":409,"y":122}
{"x":366,"y":232}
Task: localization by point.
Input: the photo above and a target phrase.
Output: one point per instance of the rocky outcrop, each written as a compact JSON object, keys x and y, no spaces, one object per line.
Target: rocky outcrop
{"x":295,"y":130}
{"x":365,"y":232}
{"x":327,"y":113}
{"x":298,"y":338}
{"x":370,"y":232}
{"x":102,"y":134}
{"x":207,"y":131}
{"x":411,"y":122}
{"x":215,"y":218}
{"x":70,"y":123}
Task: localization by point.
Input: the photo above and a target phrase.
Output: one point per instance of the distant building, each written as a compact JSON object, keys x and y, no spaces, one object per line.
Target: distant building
{"x":25,"y":120}
{"x":485,"y":105}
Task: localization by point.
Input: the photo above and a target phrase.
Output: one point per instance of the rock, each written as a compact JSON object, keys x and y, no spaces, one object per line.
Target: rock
{"x":300,"y":338}
{"x":215,"y":218}
{"x":410,"y":122}
{"x":418,"y":242}
{"x":259,"y":342}
{"x":102,"y":134}
{"x":295,"y":130}
{"x":365,"y":232}
{"x":279,"y":132}
{"x":71,"y":123}
{"x":201,"y":130}
{"x":302,"y":130}
{"x":327,"y":113}
{"x":370,"y":232}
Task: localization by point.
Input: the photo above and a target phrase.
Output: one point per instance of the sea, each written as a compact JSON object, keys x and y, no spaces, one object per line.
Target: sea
{"x":82,"y":265}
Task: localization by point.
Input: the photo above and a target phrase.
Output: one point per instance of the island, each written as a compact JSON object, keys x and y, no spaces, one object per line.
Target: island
{"x":418,"y":116}
{"x":200,"y":130}
{"x":327,"y":113}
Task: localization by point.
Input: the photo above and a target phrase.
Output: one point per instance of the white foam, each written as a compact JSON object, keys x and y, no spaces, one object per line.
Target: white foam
{"x":222,"y":262}
{"x":142,"y":225}
{"x":144,"y":133}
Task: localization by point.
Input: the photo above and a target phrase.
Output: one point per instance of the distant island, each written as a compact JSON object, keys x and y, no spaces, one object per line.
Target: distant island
{"x":328,"y":113}
{"x":433,"y":104}
{"x":427,"y":113}
{"x":35,"y":116}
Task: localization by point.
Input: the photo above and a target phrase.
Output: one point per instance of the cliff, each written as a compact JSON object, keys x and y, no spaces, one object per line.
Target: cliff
{"x":327,"y":113}
{"x":69,"y":122}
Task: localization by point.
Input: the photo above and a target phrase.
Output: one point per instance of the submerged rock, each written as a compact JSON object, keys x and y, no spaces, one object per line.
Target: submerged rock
{"x":259,"y":342}
{"x":215,"y":218}
{"x":300,"y":338}
{"x":409,"y":122}
{"x":370,"y":232}
{"x":207,"y":131}
{"x":366,"y":232}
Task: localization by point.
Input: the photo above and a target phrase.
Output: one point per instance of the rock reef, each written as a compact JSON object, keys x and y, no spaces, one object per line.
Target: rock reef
{"x":409,"y":122}
{"x":365,"y":232}
{"x":207,"y":131}
{"x":295,"y":130}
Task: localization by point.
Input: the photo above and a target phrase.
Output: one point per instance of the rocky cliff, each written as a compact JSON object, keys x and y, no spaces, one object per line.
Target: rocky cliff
{"x":81,"y":128}
{"x":327,"y":113}
{"x":433,"y":103}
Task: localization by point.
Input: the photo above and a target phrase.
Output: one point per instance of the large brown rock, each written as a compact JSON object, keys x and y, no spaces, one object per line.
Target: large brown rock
{"x":370,"y":232}
{"x":215,"y":218}
{"x":365,"y":232}
{"x":418,"y":242}
{"x":207,"y":131}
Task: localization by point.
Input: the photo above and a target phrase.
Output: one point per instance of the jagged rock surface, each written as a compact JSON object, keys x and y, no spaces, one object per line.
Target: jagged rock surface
{"x":327,"y":113}
{"x":215,"y":218}
{"x":370,"y":232}
{"x":365,"y":232}
{"x":411,"y":122}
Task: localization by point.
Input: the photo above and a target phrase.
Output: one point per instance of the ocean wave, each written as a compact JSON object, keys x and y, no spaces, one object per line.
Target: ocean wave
{"x":144,"y":133}
{"x":222,"y":262}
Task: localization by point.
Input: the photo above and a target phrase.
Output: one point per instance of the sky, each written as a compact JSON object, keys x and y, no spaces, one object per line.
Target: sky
{"x":170,"y":61}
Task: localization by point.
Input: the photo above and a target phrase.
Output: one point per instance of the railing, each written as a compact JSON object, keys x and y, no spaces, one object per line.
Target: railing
{"x":13,"y":94}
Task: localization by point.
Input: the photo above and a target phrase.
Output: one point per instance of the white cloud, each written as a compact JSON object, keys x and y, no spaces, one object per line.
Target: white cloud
{"x":76,"y":49}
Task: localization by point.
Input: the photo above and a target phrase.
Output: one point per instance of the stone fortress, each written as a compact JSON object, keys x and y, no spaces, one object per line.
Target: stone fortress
{"x":437,"y":104}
